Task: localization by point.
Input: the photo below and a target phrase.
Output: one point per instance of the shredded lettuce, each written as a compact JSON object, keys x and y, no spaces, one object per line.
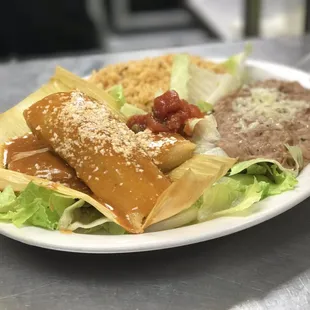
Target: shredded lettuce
{"x":204,"y":107}
{"x":278,"y":178}
{"x":35,"y":206}
{"x":234,"y":195}
{"x":205,"y":135}
{"x":41,"y":207}
{"x":180,"y":75}
{"x":7,"y":200}
{"x":129,"y":110}
{"x":114,"y":229}
{"x":258,"y":163}
{"x":247,"y":183}
{"x":84,"y":218}
{"x":230,"y":198}
{"x":117,"y":93}
{"x":67,"y":216}
{"x":125,"y":108}
{"x":235,"y":64}
{"x":96,"y":223}
{"x":207,"y":86}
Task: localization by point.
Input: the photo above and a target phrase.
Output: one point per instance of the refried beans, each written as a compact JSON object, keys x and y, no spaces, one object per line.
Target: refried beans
{"x":259,"y":119}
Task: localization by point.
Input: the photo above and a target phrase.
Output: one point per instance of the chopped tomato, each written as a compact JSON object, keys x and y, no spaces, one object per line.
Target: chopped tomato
{"x":169,"y":114}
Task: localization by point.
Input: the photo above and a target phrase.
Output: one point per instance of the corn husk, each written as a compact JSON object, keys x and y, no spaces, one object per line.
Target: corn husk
{"x":12,"y":121}
{"x":71,"y":81}
{"x":179,"y":196}
{"x":191,"y":179}
{"x":202,"y":165}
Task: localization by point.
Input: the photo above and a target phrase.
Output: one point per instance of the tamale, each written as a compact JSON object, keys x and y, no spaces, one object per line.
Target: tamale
{"x":29,"y":155}
{"x":103,"y":151}
{"x":168,"y":150}
{"x":12,"y":121}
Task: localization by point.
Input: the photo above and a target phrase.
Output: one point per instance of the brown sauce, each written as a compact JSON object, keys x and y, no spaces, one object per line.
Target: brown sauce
{"x":31,"y":156}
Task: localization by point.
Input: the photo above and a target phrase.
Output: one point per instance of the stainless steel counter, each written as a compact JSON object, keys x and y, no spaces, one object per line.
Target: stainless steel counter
{"x":265,"y":267}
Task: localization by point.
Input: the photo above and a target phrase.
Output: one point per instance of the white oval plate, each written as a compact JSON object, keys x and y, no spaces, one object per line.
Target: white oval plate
{"x":216,"y":228}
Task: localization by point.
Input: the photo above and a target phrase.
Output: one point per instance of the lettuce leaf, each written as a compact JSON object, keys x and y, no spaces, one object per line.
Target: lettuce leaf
{"x":114,"y":229}
{"x":129,"y":110}
{"x":35,"y":206}
{"x":230,"y":198}
{"x":67,"y":217}
{"x":207,"y":86}
{"x":235,"y":64}
{"x":7,"y":200}
{"x":247,"y":183}
{"x":117,"y":93}
{"x":38,"y":206}
{"x":278,"y":178}
{"x":180,"y":75}
{"x":41,"y":207}
{"x":205,"y":135}
{"x":84,"y":218}
{"x":255,"y":164}
{"x":126,"y":109}
{"x":45,"y":215}
{"x":204,"y":106}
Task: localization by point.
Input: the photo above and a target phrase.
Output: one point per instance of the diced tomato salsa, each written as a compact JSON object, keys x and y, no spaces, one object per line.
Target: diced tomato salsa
{"x":169,"y":114}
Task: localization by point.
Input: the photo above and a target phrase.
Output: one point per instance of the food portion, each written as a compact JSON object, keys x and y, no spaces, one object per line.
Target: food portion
{"x":261,"y":119}
{"x":143,"y":79}
{"x":157,"y":144}
{"x":169,"y":114}
{"x":103,"y":151}
{"x":32,"y":156}
{"x":75,"y":136}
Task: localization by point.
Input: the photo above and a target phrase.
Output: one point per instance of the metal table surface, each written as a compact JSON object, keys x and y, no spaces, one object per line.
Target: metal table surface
{"x":265,"y":267}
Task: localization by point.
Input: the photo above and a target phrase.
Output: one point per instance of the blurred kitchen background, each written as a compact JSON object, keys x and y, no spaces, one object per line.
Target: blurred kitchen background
{"x":36,"y":28}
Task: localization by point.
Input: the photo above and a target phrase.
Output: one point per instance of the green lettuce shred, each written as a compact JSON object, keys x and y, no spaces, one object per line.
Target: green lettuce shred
{"x":130,"y":110}
{"x":230,"y":198}
{"x":42,"y":207}
{"x":204,"y":106}
{"x":180,"y":75}
{"x":117,"y":93}
{"x":248,"y":182}
{"x":35,"y":206}
{"x":235,"y":64}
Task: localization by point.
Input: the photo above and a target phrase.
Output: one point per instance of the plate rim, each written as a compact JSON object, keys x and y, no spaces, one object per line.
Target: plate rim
{"x":195,"y":233}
